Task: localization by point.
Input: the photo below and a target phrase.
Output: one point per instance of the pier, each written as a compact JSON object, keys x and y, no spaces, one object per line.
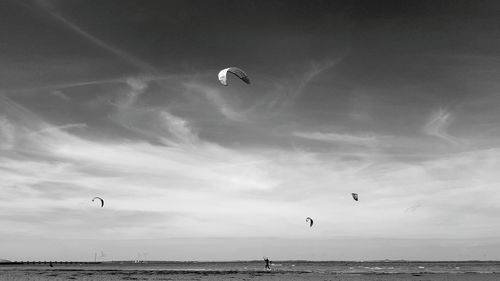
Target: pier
{"x":48,"y":262}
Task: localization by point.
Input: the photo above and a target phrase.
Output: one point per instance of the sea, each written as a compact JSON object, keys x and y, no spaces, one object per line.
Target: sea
{"x":321,"y":267}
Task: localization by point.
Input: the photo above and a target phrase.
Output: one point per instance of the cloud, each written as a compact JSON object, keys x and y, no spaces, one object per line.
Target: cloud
{"x":191,"y":159}
{"x":179,"y":128}
{"x":93,"y":220}
{"x":127,"y":99}
{"x":360,"y":139}
{"x":59,"y":94}
{"x":151,"y":122}
{"x":438,"y":125}
{"x":262,"y":185}
{"x":315,"y":70}
{"x":285,"y":92}
{"x":413,"y":208}
{"x":214,"y":96}
{"x":7,"y":136}
{"x":49,"y":128}
{"x":230,"y":192}
{"x":137,"y":84}
{"x":55,"y":89}
{"x":48,"y":7}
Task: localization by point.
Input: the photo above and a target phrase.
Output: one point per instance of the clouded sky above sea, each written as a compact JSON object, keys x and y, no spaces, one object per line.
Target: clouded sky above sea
{"x":395,"y":100}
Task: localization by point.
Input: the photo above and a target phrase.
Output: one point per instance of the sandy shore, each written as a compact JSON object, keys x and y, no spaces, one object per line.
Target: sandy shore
{"x":111,"y":275}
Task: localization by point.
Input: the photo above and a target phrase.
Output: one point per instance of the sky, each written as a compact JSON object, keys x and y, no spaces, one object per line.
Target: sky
{"x":394,"y":100}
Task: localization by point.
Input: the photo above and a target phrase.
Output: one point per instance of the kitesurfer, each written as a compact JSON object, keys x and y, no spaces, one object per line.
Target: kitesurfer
{"x":268,"y":262}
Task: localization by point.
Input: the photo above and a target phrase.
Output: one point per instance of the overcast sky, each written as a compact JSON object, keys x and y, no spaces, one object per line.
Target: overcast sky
{"x":395,"y":100}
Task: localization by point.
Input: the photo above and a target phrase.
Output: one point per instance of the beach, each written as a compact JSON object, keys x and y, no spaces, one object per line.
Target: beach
{"x":111,"y":275}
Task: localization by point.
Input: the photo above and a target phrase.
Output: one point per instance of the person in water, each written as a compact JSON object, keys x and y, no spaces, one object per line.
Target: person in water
{"x":268,"y":262}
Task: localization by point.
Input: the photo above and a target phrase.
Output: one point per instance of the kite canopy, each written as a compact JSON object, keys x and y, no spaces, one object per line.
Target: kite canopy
{"x":310,"y":221}
{"x":234,"y":70}
{"x":102,"y":201}
{"x":355,"y":196}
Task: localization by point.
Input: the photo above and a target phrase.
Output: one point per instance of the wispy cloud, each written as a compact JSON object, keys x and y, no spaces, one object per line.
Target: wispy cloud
{"x":315,"y":70}
{"x":137,"y":84}
{"x":59,"y":94}
{"x":438,"y":125}
{"x":52,"y":10}
{"x":152,"y":122}
{"x":176,"y":154}
{"x":413,"y":208}
{"x":6,"y":133}
{"x":55,"y":89}
{"x":48,"y":128}
{"x":128,"y":98}
{"x":264,"y":185}
{"x":214,"y":96}
{"x":355,"y":139}
{"x":286,"y":93}
{"x":179,"y":128}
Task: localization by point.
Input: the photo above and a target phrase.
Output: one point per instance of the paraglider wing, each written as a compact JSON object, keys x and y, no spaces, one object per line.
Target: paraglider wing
{"x":234,"y":70}
{"x":102,"y":201}
{"x":310,"y":221}
{"x":355,"y":196}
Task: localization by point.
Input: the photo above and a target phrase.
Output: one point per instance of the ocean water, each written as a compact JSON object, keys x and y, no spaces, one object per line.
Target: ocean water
{"x":326,"y":267}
